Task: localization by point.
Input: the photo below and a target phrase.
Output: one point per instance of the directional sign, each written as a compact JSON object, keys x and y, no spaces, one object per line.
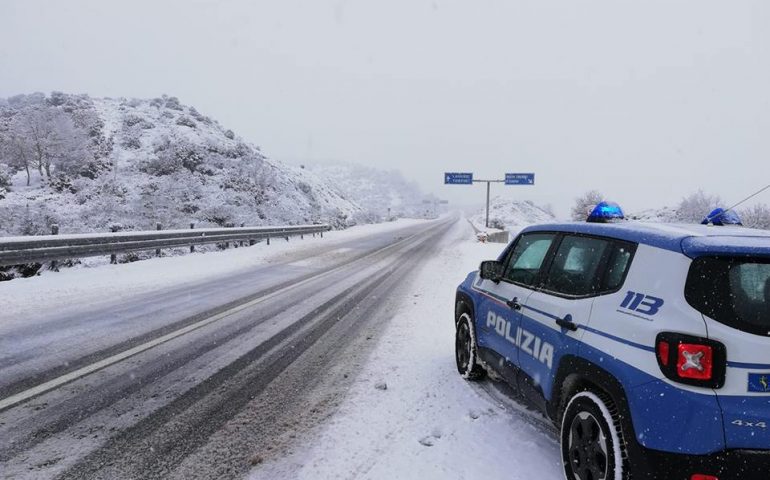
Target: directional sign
{"x":519,"y":178}
{"x":454,"y":178}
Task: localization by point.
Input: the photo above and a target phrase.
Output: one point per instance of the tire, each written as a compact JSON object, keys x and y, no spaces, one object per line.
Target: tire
{"x":465,"y":349}
{"x":591,"y":440}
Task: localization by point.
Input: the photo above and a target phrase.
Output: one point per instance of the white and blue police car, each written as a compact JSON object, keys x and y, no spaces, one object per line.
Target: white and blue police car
{"x":648,"y":345}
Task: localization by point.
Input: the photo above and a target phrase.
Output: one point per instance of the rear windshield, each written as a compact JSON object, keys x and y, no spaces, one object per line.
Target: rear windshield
{"x":733,"y":291}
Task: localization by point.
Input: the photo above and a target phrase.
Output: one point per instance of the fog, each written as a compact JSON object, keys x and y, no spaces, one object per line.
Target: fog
{"x":645,"y":101}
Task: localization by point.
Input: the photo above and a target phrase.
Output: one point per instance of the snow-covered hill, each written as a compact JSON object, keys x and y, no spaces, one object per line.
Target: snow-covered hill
{"x":662,"y":214}
{"x":506,"y":214}
{"x":129,"y":163}
{"x":378,"y":192}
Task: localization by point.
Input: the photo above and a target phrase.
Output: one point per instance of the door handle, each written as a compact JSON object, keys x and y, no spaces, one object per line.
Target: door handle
{"x":567,"y":323}
{"x":514,"y":304}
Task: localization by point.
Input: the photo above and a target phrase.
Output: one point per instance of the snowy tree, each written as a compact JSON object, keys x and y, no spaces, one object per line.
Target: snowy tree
{"x":40,"y":137}
{"x":15,"y":149}
{"x":5,"y":176}
{"x":584,"y":204}
{"x":694,"y":207}
{"x":757,"y":216}
{"x":5,"y":180}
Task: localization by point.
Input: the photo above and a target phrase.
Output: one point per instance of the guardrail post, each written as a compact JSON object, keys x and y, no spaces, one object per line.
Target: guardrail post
{"x":241,"y":242}
{"x":228,"y":225}
{"x":192,"y":247}
{"x":55,"y":231}
{"x":268,"y":240}
{"x":322,"y":234}
{"x":113,"y":257}
{"x":158,"y":226}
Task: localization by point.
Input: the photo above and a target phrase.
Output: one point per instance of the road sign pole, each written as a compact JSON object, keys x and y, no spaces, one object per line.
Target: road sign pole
{"x":487,"y":222}
{"x":466,"y":178}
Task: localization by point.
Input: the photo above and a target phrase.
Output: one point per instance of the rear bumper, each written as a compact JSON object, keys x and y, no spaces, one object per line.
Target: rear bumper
{"x":727,"y":465}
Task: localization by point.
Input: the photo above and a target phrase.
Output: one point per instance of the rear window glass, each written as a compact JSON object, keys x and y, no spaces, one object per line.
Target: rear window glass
{"x":585,"y":266}
{"x":733,"y":291}
{"x":575,"y":266}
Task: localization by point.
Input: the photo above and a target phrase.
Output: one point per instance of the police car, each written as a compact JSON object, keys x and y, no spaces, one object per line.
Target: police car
{"x":648,"y":345}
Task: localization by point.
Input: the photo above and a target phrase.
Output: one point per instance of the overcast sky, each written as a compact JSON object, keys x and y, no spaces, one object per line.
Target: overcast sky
{"x":644,"y":100}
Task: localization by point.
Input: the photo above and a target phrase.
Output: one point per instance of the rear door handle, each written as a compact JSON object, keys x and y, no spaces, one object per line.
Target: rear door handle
{"x":567,"y":323}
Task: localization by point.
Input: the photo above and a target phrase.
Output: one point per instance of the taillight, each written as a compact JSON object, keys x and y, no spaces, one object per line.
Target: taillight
{"x":663,"y":353}
{"x":700,"y":476}
{"x":691,"y":360}
{"x":695,"y":361}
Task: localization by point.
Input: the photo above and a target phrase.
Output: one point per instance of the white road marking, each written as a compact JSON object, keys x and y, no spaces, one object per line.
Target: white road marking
{"x":20,"y":397}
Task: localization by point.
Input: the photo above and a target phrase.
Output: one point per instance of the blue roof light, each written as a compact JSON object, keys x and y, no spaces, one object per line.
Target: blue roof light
{"x":720,"y":217}
{"x":606,"y":212}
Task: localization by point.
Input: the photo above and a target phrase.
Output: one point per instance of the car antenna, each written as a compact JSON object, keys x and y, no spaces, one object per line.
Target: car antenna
{"x":710,"y":218}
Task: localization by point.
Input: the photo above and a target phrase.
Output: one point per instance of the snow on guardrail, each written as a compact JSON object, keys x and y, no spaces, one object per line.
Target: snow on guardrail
{"x":38,"y":249}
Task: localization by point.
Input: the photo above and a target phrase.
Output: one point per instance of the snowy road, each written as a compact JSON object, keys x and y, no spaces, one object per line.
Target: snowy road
{"x":198,"y":378}
{"x":429,"y":424}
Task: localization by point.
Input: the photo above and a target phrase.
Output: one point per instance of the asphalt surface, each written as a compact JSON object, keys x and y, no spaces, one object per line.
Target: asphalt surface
{"x":204,"y":380}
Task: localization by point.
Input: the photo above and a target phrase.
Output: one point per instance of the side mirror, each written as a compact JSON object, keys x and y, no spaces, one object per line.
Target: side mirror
{"x":491,"y":270}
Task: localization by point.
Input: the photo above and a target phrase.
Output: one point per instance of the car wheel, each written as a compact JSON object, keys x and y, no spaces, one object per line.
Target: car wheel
{"x":591,"y":441}
{"x":465,"y":349}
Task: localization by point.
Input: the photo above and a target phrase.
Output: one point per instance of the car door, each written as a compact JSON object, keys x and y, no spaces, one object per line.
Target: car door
{"x":581,"y":268}
{"x":732,"y":292}
{"x":498,"y":310}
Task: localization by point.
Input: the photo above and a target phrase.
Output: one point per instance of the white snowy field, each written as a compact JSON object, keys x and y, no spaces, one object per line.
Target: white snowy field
{"x":73,"y":289}
{"x":429,"y":423}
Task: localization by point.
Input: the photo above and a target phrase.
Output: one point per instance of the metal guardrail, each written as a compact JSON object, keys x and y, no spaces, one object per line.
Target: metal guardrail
{"x":498,"y":237}
{"x":39,"y":249}
{"x":494,"y":237}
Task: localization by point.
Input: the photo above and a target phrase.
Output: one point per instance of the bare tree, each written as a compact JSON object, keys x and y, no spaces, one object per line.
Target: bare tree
{"x":696,"y":206}
{"x":39,"y":137}
{"x":15,"y":149}
{"x":584,"y":204}
{"x":757,"y":216}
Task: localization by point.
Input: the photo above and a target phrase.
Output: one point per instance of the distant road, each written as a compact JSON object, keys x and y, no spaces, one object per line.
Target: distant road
{"x":204,"y":380}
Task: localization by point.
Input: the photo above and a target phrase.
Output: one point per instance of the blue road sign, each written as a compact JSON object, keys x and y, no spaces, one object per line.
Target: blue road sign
{"x":519,"y":178}
{"x":458,"y":178}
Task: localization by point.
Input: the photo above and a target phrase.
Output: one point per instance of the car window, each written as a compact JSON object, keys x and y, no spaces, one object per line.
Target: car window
{"x":617,"y":266}
{"x":576,"y":266}
{"x":527,"y":257}
{"x":733,"y":291}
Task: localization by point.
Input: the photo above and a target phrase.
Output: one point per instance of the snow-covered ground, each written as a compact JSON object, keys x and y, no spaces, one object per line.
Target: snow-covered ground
{"x":511,"y":215}
{"x":104,"y":283}
{"x":428,"y":423}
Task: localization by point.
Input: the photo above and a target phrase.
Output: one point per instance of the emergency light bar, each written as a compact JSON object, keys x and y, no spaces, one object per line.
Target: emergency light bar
{"x":606,"y":212}
{"x":720,"y":217}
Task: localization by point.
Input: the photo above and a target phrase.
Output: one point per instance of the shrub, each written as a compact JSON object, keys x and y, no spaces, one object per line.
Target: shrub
{"x":218,"y":215}
{"x":695,"y":207}
{"x":186,"y":121}
{"x":5,"y":176}
{"x":173,"y":103}
{"x":584,"y":204}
